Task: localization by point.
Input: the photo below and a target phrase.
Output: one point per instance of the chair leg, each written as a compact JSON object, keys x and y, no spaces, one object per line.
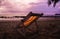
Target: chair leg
{"x":21,"y":31}
{"x":37,"y":26}
{"x":5,"y":36}
{"x":37,"y":31}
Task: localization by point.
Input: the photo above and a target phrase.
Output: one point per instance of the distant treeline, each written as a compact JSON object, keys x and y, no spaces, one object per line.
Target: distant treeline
{"x":56,"y":15}
{"x":24,"y":16}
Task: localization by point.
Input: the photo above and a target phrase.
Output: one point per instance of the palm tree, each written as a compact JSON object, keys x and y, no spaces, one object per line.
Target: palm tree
{"x":53,"y":1}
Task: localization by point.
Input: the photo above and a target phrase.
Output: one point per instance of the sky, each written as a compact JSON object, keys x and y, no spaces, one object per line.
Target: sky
{"x":25,"y":6}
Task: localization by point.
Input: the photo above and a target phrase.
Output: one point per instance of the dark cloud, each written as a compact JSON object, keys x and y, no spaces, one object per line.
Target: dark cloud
{"x":39,"y":3}
{"x":33,"y":3}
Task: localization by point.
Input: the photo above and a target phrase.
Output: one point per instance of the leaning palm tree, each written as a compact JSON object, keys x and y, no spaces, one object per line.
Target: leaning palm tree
{"x":53,"y":1}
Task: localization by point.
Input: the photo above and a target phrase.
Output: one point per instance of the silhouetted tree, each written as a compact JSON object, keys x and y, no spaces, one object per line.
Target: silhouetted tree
{"x":53,"y":1}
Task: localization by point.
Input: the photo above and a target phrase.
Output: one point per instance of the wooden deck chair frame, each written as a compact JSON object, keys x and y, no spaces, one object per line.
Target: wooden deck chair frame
{"x":27,"y":21}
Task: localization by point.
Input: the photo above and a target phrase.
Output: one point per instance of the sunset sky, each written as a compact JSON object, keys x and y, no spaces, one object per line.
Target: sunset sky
{"x":25,"y":6}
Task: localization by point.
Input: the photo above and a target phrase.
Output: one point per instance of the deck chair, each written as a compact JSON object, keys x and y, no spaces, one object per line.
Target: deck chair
{"x":22,"y":27}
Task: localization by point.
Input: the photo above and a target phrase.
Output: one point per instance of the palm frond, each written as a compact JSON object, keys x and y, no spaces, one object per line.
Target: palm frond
{"x":49,"y":2}
{"x":53,"y":1}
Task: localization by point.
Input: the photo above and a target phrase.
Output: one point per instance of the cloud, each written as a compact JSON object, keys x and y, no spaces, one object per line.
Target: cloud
{"x":43,"y":7}
{"x":16,"y":6}
{"x":8,"y":7}
{"x":13,"y":7}
{"x":34,"y":3}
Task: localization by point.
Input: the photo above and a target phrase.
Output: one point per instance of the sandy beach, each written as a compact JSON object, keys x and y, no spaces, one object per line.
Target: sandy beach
{"x":46,"y":28}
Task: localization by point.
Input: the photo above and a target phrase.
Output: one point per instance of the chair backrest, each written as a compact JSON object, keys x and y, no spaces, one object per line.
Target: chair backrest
{"x":30,"y":18}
